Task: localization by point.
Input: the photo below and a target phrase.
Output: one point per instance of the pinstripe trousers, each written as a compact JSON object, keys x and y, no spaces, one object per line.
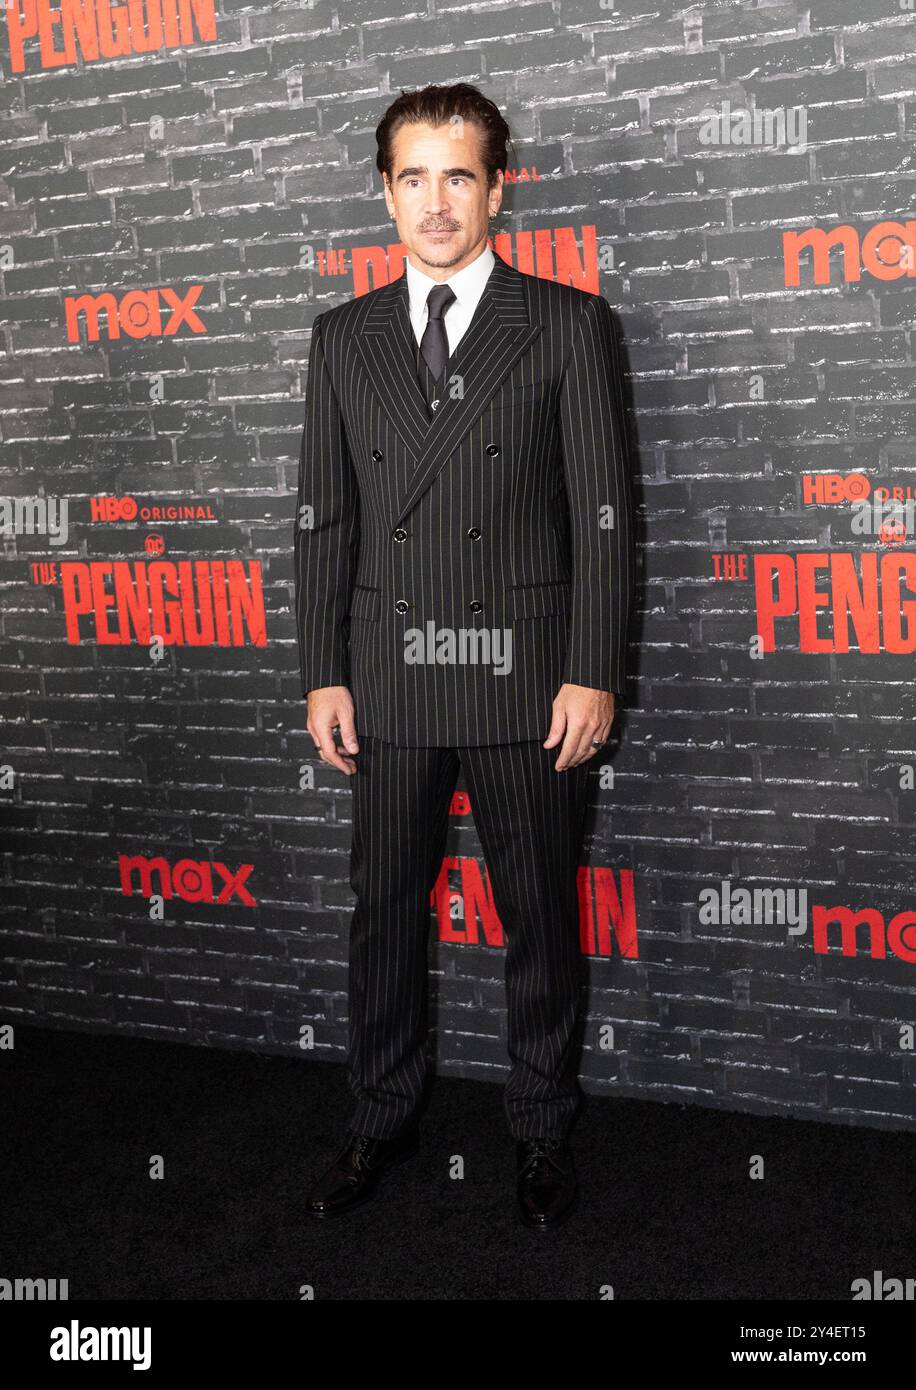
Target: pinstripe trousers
{"x":530,"y":821}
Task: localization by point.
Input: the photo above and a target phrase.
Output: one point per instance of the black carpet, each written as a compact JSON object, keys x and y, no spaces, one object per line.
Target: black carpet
{"x":667,"y":1210}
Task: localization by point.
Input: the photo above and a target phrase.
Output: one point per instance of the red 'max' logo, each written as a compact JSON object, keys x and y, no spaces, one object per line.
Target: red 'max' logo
{"x":899,"y":933}
{"x":899,"y":260}
{"x":139,"y":313}
{"x":190,"y":879}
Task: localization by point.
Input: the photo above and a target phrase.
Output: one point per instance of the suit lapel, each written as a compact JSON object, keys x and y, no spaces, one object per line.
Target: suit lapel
{"x":497,"y":336}
{"x":388,"y":347}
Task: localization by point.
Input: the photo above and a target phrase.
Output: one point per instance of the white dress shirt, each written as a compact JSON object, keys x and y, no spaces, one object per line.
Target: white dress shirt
{"x":467,"y":284}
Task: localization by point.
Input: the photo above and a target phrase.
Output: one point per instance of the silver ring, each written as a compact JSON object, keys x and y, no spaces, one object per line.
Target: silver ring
{"x":598,"y":745}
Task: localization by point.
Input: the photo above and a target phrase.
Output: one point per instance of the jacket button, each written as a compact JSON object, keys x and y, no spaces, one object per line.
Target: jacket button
{"x":475,"y":605}
{"x":475,"y":533}
{"x":402,"y":605}
{"x":377,"y":455}
{"x":492,"y":450}
{"x":400,"y":534}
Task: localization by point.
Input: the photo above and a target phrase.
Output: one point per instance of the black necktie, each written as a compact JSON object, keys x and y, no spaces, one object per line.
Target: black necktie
{"x":434,"y":344}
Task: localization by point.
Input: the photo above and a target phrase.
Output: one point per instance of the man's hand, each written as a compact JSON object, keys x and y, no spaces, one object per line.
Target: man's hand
{"x":329,"y":707}
{"x":580,"y":715}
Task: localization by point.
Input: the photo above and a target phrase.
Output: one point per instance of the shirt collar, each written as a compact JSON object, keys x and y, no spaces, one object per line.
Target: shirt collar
{"x":467,"y":283}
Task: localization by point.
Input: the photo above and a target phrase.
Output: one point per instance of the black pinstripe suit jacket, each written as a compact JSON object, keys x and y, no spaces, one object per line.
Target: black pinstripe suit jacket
{"x":510,"y":509}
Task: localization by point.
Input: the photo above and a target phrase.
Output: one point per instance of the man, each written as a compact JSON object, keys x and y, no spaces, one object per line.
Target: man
{"x":463,"y":577}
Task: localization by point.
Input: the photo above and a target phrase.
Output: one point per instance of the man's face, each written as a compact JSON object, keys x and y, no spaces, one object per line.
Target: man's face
{"x":438,"y":195}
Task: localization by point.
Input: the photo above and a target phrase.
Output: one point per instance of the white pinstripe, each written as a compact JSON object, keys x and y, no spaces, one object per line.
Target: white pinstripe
{"x":527,"y":454}
{"x":538,"y":364}
{"x":529,"y":819}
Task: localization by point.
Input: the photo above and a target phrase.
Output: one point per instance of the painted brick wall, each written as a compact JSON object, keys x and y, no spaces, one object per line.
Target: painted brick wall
{"x":235,"y":160}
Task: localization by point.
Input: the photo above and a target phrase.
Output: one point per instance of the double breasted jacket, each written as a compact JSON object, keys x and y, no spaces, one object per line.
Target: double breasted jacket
{"x":455,"y":569}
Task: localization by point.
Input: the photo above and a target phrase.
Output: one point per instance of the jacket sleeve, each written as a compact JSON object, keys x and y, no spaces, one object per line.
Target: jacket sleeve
{"x":326,"y":539}
{"x":595,"y":466}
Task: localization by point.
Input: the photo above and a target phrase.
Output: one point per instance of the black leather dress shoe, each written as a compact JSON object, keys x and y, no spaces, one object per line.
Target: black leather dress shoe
{"x":354,"y":1175}
{"x":547,"y":1184}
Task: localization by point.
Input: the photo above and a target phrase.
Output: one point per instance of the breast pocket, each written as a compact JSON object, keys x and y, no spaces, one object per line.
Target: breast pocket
{"x":523,"y":397}
{"x":365,"y":603}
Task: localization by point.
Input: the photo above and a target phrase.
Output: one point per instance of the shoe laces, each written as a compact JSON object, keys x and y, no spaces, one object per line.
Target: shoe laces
{"x":539,"y":1150}
{"x":360,"y":1148}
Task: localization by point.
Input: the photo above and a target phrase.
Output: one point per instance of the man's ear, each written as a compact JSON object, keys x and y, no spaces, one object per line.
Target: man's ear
{"x":497,"y":189}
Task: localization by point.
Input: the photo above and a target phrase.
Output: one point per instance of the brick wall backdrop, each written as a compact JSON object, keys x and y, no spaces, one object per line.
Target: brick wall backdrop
{"x":174,"y":856}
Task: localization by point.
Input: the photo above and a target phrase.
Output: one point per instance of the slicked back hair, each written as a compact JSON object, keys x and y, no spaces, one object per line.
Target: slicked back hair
{"x":443,"y":105}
